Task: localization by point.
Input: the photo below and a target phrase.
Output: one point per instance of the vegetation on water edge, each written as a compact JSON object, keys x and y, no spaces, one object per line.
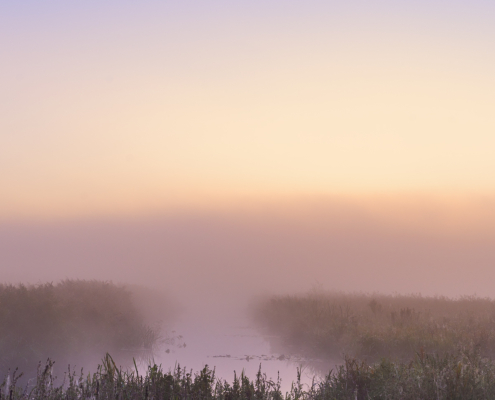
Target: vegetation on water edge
{"x":454,"y":376}
{"x":71,"y":320}
{"x":374,"y":326}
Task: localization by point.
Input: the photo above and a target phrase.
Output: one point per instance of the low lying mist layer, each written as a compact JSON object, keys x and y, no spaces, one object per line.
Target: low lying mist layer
{"x":72,"y":322}
{"x":376,"y":326}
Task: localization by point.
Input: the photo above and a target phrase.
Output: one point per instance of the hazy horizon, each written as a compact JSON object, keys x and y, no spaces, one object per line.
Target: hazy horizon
{"x":216,"y":152}
{"x":231,"y":256}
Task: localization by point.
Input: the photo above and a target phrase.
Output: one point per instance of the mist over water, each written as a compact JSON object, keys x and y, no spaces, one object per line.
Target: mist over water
{"x":214,"y":260}
{"x":246,"y":183}
{"x":211,"y":267}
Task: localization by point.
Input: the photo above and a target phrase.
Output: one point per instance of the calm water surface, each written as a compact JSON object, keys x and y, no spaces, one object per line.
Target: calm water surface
{"x":230,"y":345}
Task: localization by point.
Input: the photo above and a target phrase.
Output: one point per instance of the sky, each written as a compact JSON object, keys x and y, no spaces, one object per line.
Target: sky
{"x":129,"y":109}
{"x":323,"y":141}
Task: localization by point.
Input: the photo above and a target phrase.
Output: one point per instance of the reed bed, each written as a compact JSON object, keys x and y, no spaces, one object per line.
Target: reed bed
{"x":69,"y":321}
{"x":462,"y":375}
{"x":375,"y":326}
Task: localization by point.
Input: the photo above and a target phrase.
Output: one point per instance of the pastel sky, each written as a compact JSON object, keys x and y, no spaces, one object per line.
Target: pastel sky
{"x":220,"y":149}
{"x":129,"y":108}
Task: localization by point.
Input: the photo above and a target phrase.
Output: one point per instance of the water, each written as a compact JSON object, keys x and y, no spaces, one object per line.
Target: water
{"x":230,"y":345}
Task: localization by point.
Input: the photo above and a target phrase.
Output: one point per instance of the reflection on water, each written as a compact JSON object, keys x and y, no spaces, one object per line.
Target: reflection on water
{"x":232,"y":347}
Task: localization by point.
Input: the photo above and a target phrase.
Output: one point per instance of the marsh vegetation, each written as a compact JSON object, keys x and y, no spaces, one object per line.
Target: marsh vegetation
{"x":375,"y":326}
{"x":463,"y":376}
{"x":387,"y":347}
{"x":71,"y":322}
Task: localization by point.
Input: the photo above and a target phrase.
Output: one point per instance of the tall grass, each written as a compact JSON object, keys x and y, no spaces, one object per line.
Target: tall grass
{"x":71,"y":320}
{"x":375,"y":326}
{"x":457,"y":376}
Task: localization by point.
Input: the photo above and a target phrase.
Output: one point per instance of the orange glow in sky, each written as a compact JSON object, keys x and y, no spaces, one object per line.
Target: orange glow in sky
{"x":154,"y":109}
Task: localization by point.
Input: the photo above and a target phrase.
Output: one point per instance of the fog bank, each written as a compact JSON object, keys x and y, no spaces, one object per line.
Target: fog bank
{"x":208,"y":259}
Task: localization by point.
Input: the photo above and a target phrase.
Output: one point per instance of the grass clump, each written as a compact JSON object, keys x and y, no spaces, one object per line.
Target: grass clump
{"x":376,"y":326}
{"x":455,"y":376}
{"x":111,"y":382}
{"x":71,"y":320}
